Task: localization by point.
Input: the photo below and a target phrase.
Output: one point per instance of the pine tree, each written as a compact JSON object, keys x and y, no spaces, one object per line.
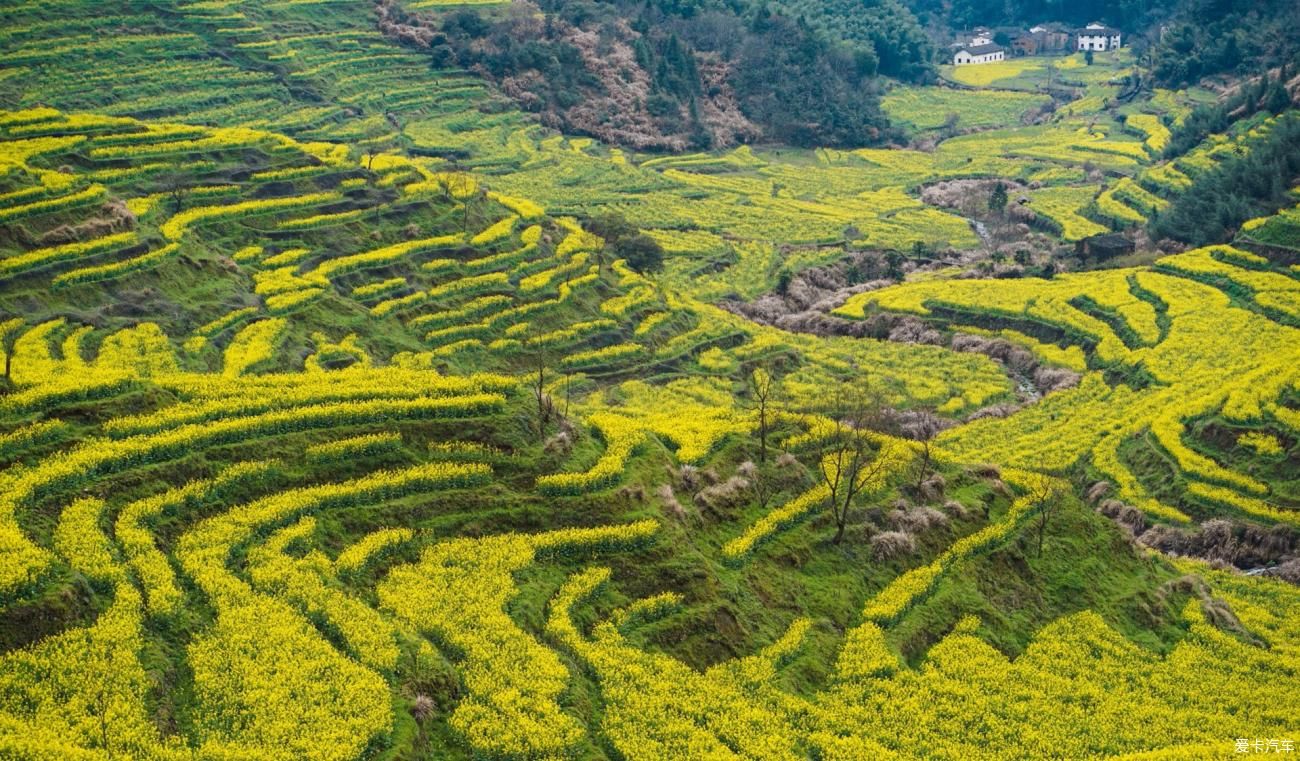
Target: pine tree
{"x":998,"y":199}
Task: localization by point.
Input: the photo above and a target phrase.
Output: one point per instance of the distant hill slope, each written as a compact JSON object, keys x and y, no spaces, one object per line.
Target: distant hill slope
{"x":671,"y":76}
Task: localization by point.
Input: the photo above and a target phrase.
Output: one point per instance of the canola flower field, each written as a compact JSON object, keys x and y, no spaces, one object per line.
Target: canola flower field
{"x":272,"y":484}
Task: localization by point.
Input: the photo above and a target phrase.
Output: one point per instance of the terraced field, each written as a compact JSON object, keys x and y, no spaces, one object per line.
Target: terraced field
{"x":725,"y":216}
{"x":330,"y":432}
{"x":1158,"y":320}
{"x":926,"y":108}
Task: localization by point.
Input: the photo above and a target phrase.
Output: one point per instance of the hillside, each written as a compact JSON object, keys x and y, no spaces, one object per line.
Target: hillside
{"x":672,"y":76}
{"x":353,"y":409}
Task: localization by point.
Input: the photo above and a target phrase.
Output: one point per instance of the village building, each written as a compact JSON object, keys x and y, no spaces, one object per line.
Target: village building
{"x":985,"y":53}
{"x":1049,"y":38}
{"x":1104,"y":246}
{"x":976,"y":37}
{"x":1099,"y":37}
{"x":1043,"y":39}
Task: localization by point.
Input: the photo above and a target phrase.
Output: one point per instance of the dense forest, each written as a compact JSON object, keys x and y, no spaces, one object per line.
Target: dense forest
{"x":673,"y":75}
{"x":884,"y":29}
{"x":1208,"y":37}
{"x":970,"y":13}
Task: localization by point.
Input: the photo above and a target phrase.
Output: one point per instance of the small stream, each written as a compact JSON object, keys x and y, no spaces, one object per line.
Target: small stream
{"x":1024,"y":384}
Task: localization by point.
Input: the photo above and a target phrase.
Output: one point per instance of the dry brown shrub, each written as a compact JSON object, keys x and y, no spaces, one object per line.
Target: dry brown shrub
{"x":888,"y":545}
{"x":1099,"y":490}
{"x":670,"y":503}
{"x":725,"y":495}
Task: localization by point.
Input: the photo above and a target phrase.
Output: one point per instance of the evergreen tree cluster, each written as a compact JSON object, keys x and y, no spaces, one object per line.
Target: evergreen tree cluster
{"x":1208,"y":37}
{"x":1254,"y":184}
{"x":625,"y":241}
{"x":965,"y":14}
{"x":881,"y":35}
{"x":1265,"y":94}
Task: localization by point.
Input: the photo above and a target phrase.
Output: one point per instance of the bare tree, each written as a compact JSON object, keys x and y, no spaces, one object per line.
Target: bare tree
{"x":102,"y":702}
{"x":845,"y":459}
{"x":922,"y":427}
{"x":540,"y":362}
{"x":763,"y":390}
{"x":763,"y":487}
{"x":654,"y":342}
{"x":1047,"y":495}
{"x":8,"y":342}
{"x":768,"y":481}
{"x":109,"y":684}
{"x":460,"y":186}
{"x":177,"y":189}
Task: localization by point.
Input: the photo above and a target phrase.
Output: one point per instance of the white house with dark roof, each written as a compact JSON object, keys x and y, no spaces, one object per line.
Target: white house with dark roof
{"x":980,"y":35}
{"x":1099,"y":37}
{"x":986,"y":53}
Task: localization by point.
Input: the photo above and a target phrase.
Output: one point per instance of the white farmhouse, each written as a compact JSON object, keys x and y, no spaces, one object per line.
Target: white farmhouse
{"x":986,"y":53}
{"x":1097,"y":36}
{"x":980,"y":35}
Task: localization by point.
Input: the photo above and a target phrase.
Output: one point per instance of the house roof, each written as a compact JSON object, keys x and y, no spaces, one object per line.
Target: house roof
{"x":1096,"y":30}
{"x":1111,"y":241}
{"x":982,"y":49}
